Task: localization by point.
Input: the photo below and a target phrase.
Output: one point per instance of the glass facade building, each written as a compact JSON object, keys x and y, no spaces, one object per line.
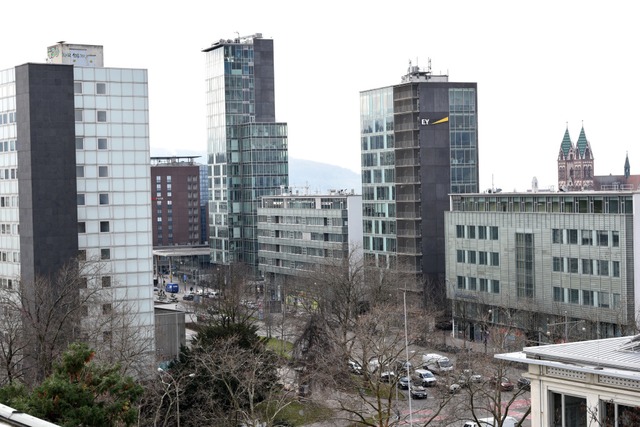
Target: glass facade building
{"x":247,"y":148}
{"x":419,"y":143}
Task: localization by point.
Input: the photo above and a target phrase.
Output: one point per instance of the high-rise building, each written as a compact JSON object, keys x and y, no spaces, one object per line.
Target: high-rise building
{"x":75,"y":166}
{"x":419,"y":142}
{"x":247,"y":148}
{"x":176,"y":184}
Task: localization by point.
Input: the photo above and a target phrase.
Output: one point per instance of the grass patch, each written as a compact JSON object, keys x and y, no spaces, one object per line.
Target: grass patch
{"x":281,"y":348}
{"x":301,"y":413}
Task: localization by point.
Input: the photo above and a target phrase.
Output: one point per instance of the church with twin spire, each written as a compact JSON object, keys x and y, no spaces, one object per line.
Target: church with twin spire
{"x":576,"y":168}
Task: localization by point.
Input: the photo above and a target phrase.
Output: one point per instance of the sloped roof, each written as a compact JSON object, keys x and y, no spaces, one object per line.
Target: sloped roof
{"x":566,"y":144}
{"x":582,"y":143}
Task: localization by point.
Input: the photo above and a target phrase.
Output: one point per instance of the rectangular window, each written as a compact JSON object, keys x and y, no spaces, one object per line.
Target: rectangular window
{"x":603,"y":267}
{"x":587,"y":297}
{"x":587,"y":266}
{"x":482,"y":232}
{"x":460,"y":231}
{"x":472,"y":283}
{"x":495,"y":259}
{"x":77,"y":87}
{"x":82,"y":255}
{"x":79,"y":171}
{"x":78,"y":115}
{"x":105,"y":253}
{"x":568,"y":410}
{"x":82,"y":227}
{"x":615,"y":239}
{"x":574,"y":296}
{"x":573,"y":236}
{"x":616,"y":268}
{"x":493,"y":232}
{"x":79,"y":143}
{"x":471,"y":257}
{"x":107,"y":308}
{"x":557,"y":264}
{"x":80,"y":199}
{"x":104,"y":226}
{"x":471,"y":232}
{"x":104,"y":199}
{"x":587,"y":237}
{"x":102,"y":144}
{"x":603,"y":299}
{"x":558,"y":294}
{"x":101,"y":116}
{"x":82,"y":283}
{"x":495,"y":286}
{"x":461,"y":282}
{"x":103,"y":171}
{"x":573,"y":265}
{"x":525,"y":275}
{"x":484,"y":285}
{"x":556,"y":235}
{"x":106,"y":281}
{"x":616,"y":301}
{"x":602,"y":237}
{"x":482,"y":258}
{"x":460,"y":255}
{"x":101,"y":88}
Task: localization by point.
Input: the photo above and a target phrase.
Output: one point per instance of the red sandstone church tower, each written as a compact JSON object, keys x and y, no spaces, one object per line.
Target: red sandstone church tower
{"x":575,"y":163}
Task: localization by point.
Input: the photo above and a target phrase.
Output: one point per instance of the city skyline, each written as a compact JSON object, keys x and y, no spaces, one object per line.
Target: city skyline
{"x":562,"y":66}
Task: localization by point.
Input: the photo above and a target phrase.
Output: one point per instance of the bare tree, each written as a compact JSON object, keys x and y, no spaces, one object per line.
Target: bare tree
{"x":42,"y":318}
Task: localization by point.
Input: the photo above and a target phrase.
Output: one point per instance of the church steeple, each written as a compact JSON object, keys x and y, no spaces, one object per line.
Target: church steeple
{"x":566,"y":145}
{"x":627,"y":167}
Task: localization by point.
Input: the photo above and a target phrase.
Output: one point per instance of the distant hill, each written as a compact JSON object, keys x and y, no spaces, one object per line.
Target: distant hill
{"x":321,"y":177}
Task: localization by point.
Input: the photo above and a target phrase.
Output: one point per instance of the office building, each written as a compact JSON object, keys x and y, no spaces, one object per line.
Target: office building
{"x":247,"y":148}
{"x":419,"y":142}
{"x":594,"y":383}
{"x":75,"y":169}
{"x":550,"y":267}
{"x":298,"y":233}
{"x":177,"y":198}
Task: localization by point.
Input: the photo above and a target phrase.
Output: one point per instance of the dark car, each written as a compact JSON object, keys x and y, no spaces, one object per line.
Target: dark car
{"x":502,"y":383}
{"x":524,"y":383}
{"x":187,"y":297}
{"x":418,"y":392}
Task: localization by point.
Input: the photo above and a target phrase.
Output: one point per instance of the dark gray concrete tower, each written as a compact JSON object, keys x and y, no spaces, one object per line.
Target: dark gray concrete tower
{"x":46,"y":168}
{"x":419,"y":142}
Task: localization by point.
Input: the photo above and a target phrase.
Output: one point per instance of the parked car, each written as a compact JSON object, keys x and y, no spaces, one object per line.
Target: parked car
{"x":355,"y":367}
{"x":403,"y":383}
{"x":524,"y":383}
{"x":425,"y":377}
{"x":403,"y":367}
{"x":188,"y":297}
{"x":418,"y":392}
{"x":454,"y":388}
{"x":467,"y":377}
{"x":502,"y":383}
{"x":387,"y":376}
{"x":492,"y":422}
{"x":436,"y":363}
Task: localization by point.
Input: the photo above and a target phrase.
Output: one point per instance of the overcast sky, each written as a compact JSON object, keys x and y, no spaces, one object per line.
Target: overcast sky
{"x":539,"y":66}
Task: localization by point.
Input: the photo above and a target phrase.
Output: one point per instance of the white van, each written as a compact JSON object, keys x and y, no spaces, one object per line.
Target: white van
{"x":436,"y":363}
{"x":491,"y":422}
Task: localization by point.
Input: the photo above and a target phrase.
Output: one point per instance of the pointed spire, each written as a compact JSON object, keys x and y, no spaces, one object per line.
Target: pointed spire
{"x":566,"y":144}
{"x":627,"y":167}
{"x":582,"y":142}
